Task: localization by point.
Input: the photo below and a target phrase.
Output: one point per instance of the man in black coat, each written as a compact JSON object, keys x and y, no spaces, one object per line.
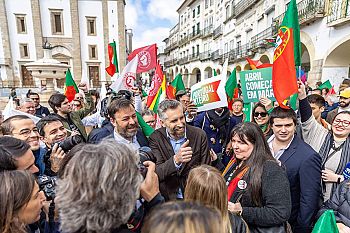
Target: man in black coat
{"x":122,"y":126}
{"x":303,"y":166}
{"x":40,"y":111}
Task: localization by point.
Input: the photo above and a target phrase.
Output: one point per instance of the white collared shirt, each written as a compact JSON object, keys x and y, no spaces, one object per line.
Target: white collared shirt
{"x":279,"y":153}
{"x":134,"y":143}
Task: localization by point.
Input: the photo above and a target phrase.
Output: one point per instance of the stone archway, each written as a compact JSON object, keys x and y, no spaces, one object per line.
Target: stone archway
{"x":195,"y":76}
{"x":208,"y":72}
{"x":247,"y":67}
{"x":185,"y":77}
{"x":176,"y":70}
{"x":265,"y":59}
{"x":337,"y":64}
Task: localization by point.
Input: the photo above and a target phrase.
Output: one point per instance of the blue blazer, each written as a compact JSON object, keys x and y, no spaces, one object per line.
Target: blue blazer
{"x":303,"y":166}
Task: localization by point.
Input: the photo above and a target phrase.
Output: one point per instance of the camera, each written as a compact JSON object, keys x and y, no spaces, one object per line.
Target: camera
{"x":70,"y":142}
{"x":47,"y":185}
{"x":143,"y":151}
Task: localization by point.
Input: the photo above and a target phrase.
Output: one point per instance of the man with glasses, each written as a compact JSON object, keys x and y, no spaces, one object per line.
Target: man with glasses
{"x":40,"y":111}
{"x":303,"y":166}
{"x":24,"y":128}
{"x":332,"y":145}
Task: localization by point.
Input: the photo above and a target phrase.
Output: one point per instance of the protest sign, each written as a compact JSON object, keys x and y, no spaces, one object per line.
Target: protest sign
{"x":256,"y":84}
{"x":209,"y":93}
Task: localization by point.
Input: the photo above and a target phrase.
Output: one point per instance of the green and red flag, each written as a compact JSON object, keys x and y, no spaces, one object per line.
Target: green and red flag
{"x":257,"y":64}
{"x":70,"y":88}
{"x":286,"y":56}
{"x":176,"y":85}
{"x":113,"y":59}
{"x":231,"y":88}
{"x":146,"y":129}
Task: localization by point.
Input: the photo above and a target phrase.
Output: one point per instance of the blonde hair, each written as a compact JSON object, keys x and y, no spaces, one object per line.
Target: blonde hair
{"x":206,"y":186}
{"x":183,"y":217}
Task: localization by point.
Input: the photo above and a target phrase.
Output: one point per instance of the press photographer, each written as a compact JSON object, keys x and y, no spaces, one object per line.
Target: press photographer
{"x":54,"y":135}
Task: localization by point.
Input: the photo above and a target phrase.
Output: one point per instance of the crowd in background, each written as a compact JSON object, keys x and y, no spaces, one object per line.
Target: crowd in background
{"x":89,"y":166}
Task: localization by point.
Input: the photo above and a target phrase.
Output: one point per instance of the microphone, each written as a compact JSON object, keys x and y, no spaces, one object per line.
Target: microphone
{"x":346,"y":172}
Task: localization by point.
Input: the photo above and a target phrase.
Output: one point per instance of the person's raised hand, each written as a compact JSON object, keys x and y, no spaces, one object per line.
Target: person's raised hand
{"x":83,"y":87}
{"x":266,"y":102}
{"x":184,"y":154}
{"x":301,"y":90}
{"x":150,"y":186}
{"x":57,"y":154}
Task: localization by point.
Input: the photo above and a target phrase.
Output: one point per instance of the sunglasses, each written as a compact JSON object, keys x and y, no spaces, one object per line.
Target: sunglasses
{"x":262,"y":114}
{"x":34,"y":98}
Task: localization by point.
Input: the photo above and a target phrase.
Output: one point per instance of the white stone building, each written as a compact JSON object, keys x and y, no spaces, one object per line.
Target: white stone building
{"x":209,"y":31}
{"x":78,"y":30}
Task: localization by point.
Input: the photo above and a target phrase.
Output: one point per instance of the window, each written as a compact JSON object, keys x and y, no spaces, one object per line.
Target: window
{"x":227,"y":12}
{"x":57,"y":22}
{"x":24,"y":51}
{"x":94,"y":75}
{"x":232,"y":45}
{"x":194,"y":13}
{"x":193,"y":50}
{"x":198,"y":29}
{"x":91,"y":26}
{"x":198,"y":9}
{"x":211,"y":2}
{"x":206,"y":4}
{"x":21,"y":23}
{"x":92,"y":52}
{"x":197,"y":49}
{"x":193,"y":30}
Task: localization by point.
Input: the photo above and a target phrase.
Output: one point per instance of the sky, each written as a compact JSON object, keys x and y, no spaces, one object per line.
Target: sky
{"x":150,"y":20}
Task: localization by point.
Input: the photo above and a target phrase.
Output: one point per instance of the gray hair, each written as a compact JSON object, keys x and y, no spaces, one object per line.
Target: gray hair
{"x":165,"y":105}
{"x":25,"y":100}
{"x":99,"y":188}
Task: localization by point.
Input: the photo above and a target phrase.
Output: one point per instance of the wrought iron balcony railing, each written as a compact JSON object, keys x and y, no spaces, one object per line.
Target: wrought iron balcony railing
{"x":260,"y":39}
{"x":183,"y":60}
{"x":242,"y":6}
{"x":193,"y":57}
{"x":208,"y":31}
{"x":217,"y":32}
{"x":205,"y":55}
{"x":217,"y":54}
{"x":339,"y":12}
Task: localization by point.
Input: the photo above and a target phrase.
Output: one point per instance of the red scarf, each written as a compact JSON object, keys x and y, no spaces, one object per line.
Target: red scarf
{"x":233,"y":183}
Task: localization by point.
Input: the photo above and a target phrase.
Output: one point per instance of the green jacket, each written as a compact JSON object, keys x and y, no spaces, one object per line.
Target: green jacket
{"x":80,"y":114}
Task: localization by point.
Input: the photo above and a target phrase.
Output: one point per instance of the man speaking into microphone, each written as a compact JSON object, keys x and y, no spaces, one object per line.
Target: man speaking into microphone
{"x":176,"y":149}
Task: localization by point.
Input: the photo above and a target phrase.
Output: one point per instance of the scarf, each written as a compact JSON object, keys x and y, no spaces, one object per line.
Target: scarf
{"x":222,"y":123}
{"x":232,"y":186}
{"x":344,"y":159}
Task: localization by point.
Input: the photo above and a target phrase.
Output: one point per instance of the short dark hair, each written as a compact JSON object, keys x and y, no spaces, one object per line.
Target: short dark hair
{"x":237,"y":100}
{"x":44,"y":121}
{"x":117,"y":104}
{"x":316,"y":99}
{"x":95,"y":93}
{"x":56,"y":100}
{"x":7,"y":126}
{"x":283,"y":113}
{"x":10,"y":149}
{"x":32,"y":93}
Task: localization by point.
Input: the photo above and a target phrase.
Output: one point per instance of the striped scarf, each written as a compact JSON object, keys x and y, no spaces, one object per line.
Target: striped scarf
{"x":344,"y":159}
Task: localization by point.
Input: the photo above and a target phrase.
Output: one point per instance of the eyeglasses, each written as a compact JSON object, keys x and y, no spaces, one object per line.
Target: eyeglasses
{"x":262,"y":114}
{"x":344,"y":123}
{"x":27,"y":132}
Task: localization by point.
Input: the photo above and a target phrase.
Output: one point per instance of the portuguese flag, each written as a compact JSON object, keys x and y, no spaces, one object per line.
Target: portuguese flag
{"x":176,"y":85}
{"x":287,"y":57}
{"x":113,"y":59}
{"x":70,"y":88}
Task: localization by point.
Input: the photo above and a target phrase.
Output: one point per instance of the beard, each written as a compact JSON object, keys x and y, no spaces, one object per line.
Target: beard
{"x":343,"y":104}
{"x":129,"y":131}
{"x":178,"y":131}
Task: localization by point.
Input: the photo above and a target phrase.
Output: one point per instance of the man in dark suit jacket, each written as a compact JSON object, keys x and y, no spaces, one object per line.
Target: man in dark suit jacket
{"x":303,"y":166}
{"x":123,"y":125}
{"x":176,"y":149}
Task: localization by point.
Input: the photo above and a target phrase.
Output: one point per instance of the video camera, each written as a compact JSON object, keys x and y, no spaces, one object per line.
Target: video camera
{"x":68,"y":143}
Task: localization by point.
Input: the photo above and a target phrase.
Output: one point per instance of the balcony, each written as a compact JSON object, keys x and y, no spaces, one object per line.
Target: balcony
{"x":216,"y":55}
{"x":217,"y":32}
{"x":193,"y":57}
{"x":194,"y":35}
{"x":242,"y":6}
{"x":170,"y":62}
{"x":339,"y":13}
{"x":183,"y":40}
{"x":308,"y":11}
{"x":259,"y":40}
{"x":205,"y":55}
{"x":183,"y":60}
{"x":207,"y":32}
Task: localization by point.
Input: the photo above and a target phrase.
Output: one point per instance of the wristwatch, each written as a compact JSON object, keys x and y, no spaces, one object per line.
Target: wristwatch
{"x":339,"y":179}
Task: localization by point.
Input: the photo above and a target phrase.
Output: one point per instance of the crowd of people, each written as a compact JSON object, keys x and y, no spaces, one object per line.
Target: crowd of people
{"x":88,"y":166}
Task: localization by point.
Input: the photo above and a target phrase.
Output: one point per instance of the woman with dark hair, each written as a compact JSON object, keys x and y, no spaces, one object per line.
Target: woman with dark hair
{"x":20,"y":201}
{"x":258,"y":188}
{"x":260,"y":116}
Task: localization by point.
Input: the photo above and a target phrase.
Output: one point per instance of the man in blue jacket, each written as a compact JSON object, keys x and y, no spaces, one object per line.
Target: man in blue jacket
{"x":303,"y":166}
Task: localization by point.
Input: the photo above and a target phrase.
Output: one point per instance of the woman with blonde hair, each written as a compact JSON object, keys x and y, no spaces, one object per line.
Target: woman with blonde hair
{"x":206,"y":186}
{"x":20,"y":201}
{"x":183,"y":217}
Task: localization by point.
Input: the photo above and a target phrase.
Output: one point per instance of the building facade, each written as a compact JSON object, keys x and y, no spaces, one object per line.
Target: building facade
{"x":209,"y":31}
{"x":77,"y":30}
